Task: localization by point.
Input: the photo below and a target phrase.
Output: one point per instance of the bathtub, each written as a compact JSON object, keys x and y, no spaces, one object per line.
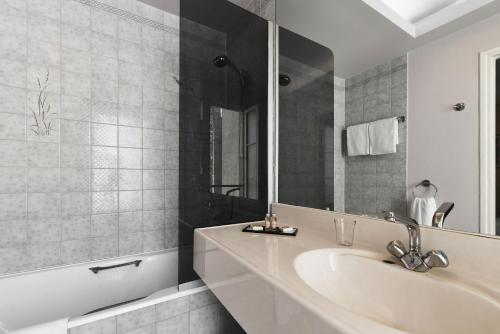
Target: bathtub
{"x":72,"y":291}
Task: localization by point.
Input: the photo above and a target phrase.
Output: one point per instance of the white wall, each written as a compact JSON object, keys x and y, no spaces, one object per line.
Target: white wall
{"x":443,"y":145}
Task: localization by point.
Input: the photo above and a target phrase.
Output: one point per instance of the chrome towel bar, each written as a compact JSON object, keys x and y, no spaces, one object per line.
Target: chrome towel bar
{"x":96,"y":270}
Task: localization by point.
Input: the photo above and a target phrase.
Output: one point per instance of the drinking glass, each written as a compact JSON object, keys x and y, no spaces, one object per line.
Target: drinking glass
{"x":345,"y":231}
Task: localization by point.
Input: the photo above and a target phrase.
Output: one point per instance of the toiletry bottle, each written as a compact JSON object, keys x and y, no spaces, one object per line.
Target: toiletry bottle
{"x":268,"y":221}
{"x":274,"y":221}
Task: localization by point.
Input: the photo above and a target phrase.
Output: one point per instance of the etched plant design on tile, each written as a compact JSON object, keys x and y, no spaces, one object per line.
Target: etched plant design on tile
{"x":42,"y":114}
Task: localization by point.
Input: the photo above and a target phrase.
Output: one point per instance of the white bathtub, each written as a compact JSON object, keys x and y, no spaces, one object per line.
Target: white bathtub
{"x":71,"y":291}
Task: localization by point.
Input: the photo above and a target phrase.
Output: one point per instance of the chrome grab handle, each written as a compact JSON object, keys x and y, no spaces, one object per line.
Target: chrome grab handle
{"x":96,"y":270}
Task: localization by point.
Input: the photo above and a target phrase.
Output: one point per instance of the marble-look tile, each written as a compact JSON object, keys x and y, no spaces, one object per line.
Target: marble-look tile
{"x":76,"y":61}
{"x":12,"y":46}
{"x":13,"y":100}
{"x":130,"y":95}
{"x":104,"y":135}
{"x":154,"y":159}
{"x":43,"y":179}
{"x":75,"y":132}
{"x":13,"y":127}
{"x":153,"y":220}
{"x":75,"y":227}
{"x":204,"y":320}
{"x":130,"y":158}
{"x":44,"y":205}
{"x":175,"y":325}
{"x":104,"y":202}
{"x":130,"y":115}
{"x":129,"y":53}
{"x":154,"y":199}
{"x":201,"y":299}
{"x":44,"y":255}
{"x":104,"y":157}
{"x":172,"y":308}
{"x":14,"y":233}
{"x":154,"y":118}
{"x":75,"y":204}
{"x":47,"y":8}
{"x":130,"y":201}
{"x":42,"y":28}
{"x":130,"y":222}
{"x":75,"y":251}
{"x":104,"y":112}
{"x":153,"y":241}
{"x":130,"y":137}
{"x":75,"y":108}
{"x":75,"y":156}
{"x":153,"y":139}
{"x":76,"y":37}
{"x":75,"y":84}
{"x":104,"y":22}
{"x":130,"y":243}
{"x":13,"y":206}
{"x":104,"y":248}
{"x":130,"y":74}
{"x":44,"y":230}
{"x":153,"y":179}
{"x":76,"y":13}
{"x":105,"y":326}
{"x":104,"y":45}
{"x":150,"y":329}
{"x":104,"y":179}
{"x":104,"y":225}
{"x":130,"y":179}
{"x":129,"y":30}
{"x":12,"y":179}
{"x":13,"y":73}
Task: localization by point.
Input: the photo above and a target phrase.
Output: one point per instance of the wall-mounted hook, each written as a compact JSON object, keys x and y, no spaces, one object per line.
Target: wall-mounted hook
{"x":459,"y":107}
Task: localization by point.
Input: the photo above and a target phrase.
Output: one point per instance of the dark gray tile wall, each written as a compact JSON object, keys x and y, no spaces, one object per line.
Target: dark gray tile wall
{"x":101,"y":180}
{"x":377,"y":183}
{"x":200,"y":313}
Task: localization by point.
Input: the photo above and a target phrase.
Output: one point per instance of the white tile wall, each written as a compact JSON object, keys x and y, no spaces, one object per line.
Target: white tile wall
{"x":79,"y":193}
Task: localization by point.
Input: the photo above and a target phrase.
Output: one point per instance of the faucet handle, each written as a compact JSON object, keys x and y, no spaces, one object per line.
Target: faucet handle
{"x":396,"y":248}
{"x":436,"y":258}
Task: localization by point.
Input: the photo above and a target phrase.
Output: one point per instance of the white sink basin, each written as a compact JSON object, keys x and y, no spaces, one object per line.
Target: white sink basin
{"x":418,"y":303}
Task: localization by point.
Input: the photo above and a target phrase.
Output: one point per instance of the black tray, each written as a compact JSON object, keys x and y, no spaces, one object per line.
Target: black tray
{"x":270,"y":231}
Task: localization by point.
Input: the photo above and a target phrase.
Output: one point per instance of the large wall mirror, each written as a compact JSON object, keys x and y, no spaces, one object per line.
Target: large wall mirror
{"x":388,"y":106}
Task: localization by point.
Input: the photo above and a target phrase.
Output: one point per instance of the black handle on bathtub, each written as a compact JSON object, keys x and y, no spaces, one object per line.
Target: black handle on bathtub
{"x":96,"y":270}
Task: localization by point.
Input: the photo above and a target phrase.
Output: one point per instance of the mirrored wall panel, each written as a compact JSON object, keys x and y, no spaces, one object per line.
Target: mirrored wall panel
{"x":413,"y":127}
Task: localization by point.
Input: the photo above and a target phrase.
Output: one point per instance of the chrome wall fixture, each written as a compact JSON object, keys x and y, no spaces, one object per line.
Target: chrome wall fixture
{"x":459,"y":106}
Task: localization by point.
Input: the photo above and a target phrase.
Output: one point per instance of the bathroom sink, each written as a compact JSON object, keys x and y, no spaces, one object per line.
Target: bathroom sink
{"x":361,"y":282}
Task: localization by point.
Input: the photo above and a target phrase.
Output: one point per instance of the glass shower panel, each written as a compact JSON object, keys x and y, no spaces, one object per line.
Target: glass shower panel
{"x":223,"y":120}
{"x":307,"y":133}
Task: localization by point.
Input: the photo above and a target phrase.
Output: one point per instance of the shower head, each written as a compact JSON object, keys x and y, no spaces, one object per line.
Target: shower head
{"x":221,"y":61}
{"x":284,"y":80}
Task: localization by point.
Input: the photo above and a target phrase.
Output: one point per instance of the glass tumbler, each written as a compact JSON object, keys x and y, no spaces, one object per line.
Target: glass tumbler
{"x":345,"y":231}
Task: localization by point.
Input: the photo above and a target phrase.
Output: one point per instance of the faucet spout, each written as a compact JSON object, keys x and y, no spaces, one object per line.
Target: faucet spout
{"x":412,"y":227}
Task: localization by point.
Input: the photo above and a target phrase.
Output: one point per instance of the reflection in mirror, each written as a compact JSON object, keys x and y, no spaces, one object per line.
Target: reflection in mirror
{"x":234,"y":152}
{"x":306,"y":122}
{"x":436,"y":70}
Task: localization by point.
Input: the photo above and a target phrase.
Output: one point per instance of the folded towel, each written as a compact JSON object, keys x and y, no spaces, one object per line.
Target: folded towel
{"x":53,"y":327}
{"x":358,"y":142}
{"x":383,"y":136}
{"x":423,"y":209}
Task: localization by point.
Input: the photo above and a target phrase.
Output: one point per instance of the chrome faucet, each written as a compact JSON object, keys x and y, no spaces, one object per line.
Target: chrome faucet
{"x":413,"y":259}
{"x":442,"y":212}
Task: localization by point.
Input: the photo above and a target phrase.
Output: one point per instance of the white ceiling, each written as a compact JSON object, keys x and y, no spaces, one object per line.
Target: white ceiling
{"x":414,"y":10}
{"x":361,"y":37}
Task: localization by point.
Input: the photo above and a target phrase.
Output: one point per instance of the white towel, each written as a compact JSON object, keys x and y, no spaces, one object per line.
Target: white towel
{"x":358,"y":142}
{"x":383,"y":136}
{"x":53,"y":327}
{"x":423,"y":209}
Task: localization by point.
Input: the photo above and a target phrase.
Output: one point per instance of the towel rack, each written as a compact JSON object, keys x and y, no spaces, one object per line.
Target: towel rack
{"x":426,"y":184}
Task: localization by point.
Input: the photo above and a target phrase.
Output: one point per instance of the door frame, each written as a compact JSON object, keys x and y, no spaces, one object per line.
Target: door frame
{"x":487,"y":139}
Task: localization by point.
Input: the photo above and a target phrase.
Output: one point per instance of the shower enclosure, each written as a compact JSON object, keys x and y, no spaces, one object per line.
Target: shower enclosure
{"x":223,"y":120}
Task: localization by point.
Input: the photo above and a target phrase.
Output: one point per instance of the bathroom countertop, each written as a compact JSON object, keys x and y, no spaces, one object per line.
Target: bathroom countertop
{"x":272,"y":258}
